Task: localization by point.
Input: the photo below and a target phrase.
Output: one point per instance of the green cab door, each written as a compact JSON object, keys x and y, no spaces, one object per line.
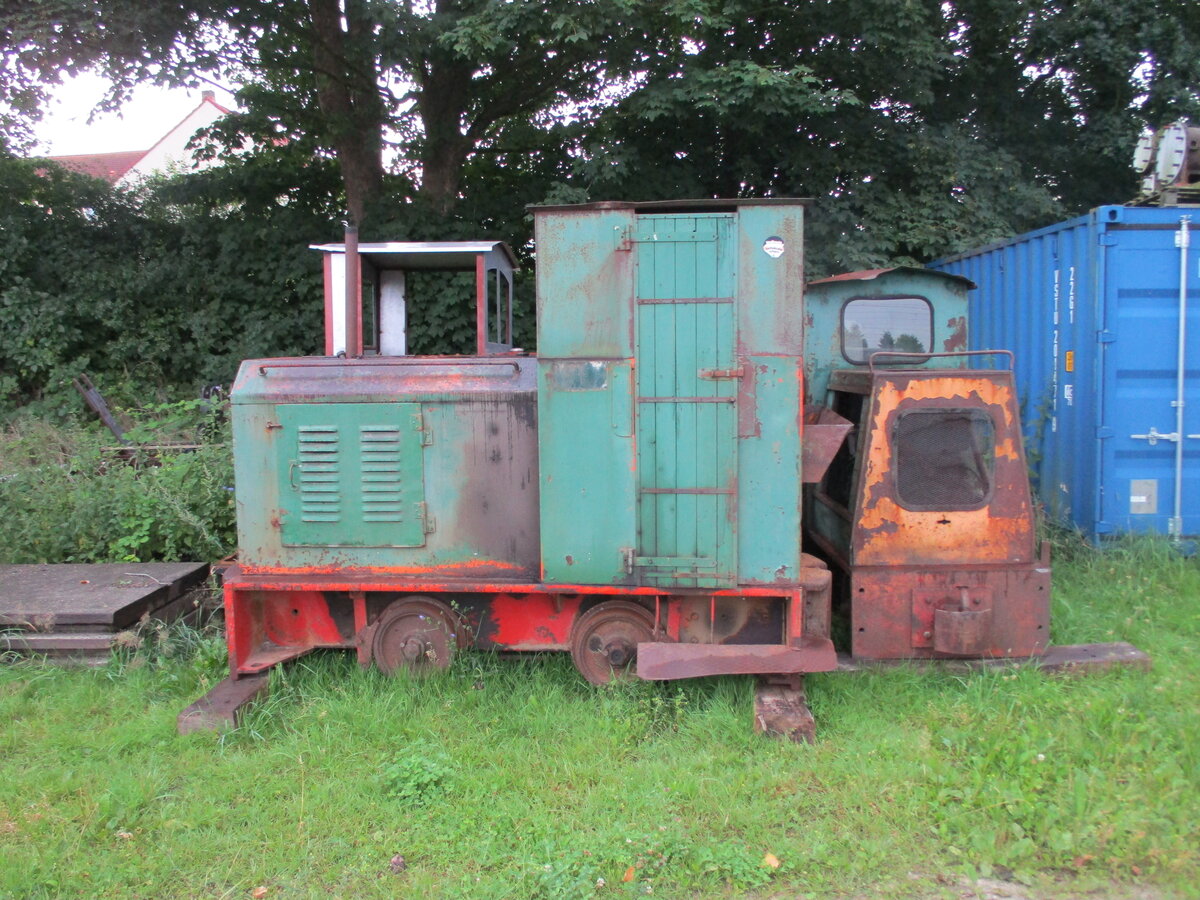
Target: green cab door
{"x":687,"y":375}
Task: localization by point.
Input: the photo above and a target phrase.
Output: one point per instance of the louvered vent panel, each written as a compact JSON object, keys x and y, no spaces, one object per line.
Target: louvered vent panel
{"x":382,"y":487}
{"x":320,"y":462}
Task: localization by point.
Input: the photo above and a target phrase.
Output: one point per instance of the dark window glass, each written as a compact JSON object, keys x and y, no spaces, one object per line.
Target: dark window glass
{"x":944,"y":458}
{"x":897,"y":324}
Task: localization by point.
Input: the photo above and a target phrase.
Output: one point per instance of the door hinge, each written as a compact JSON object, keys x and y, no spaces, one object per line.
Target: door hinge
{"x":627,"y":556}
{"x":424,"y":428}
{"x":428,"y":522}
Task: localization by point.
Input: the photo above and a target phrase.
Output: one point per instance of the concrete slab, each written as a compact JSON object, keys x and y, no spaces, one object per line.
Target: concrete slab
{"x":91,"y":596}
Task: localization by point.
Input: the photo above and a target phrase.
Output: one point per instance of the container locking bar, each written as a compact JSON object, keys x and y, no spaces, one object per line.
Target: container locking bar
{"x":1154,"y":436}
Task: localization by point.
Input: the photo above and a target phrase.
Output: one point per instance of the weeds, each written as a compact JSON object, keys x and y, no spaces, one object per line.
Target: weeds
{"x":68,"y":497}
{"x":513,"y":778}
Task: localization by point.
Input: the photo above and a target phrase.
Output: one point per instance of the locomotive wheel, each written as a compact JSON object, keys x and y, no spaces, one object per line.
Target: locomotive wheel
{"x":604,"y":640}
{"x":419,"y":634}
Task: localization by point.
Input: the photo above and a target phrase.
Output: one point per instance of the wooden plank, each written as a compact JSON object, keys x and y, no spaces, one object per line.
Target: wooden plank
{"x":54,"y":644}
{"x":1065,"y":659}
{"x":91,"y":596}
{"x":222,"y":707}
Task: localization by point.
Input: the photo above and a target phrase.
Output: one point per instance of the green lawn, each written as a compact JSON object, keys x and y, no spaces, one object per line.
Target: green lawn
{"x":514,"y":778}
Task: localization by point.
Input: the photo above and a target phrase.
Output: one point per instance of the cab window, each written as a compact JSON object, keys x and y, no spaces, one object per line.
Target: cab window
{"x":885,"y":324}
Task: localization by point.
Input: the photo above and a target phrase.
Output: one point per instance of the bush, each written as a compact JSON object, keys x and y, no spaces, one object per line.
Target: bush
{"x":69,"y":497}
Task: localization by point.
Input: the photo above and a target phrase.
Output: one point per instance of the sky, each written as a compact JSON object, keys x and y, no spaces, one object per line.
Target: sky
{"x":150,"y":114}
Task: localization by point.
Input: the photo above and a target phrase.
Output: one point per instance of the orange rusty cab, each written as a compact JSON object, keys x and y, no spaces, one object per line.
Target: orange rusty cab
{"x":925,"y":512}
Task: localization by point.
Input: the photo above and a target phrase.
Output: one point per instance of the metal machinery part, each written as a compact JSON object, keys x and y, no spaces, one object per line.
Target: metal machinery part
{"x":604,"y":640}
{"x":416,"y":633}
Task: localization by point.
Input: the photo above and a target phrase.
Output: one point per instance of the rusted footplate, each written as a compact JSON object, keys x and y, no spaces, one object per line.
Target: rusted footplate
{"x":781,"y":708}
{"x":662,"y":661}
{"x":222,"y":706}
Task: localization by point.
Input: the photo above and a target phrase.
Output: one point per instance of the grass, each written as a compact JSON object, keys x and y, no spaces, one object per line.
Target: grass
{"x":513,"y":778}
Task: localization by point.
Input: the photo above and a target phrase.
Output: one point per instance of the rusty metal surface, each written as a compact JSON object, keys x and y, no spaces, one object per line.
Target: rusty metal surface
{"x":873,"y":274}
{"x":606,"y":641}
{"x":824,"y":432}
{"x":222,"y":706}
{"x":419,"y":634}
{"x":894,"y":611}
{"x":781,"y":709}
{"x":962,"y":632}
{"x":662,"y":661}
{"x":998,"y":532}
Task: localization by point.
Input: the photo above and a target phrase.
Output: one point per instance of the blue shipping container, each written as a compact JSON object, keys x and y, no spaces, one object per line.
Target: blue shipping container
{"x":1103,"y":315}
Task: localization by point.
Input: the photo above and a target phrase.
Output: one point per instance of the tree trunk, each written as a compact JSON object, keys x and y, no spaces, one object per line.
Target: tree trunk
{"x":348,"y":95}
{"x":442,"y":104}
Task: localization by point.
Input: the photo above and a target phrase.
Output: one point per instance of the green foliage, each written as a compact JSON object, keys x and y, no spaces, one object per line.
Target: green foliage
{"x":69,"y":497}
{"x":417,"y":774}
{"x":155,"y":293}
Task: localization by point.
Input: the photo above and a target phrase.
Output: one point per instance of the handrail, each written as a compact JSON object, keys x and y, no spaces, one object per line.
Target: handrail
{"x":922,"y":357}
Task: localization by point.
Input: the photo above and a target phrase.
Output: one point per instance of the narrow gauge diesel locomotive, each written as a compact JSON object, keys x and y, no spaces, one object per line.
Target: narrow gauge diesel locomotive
{"x":634,"y":493}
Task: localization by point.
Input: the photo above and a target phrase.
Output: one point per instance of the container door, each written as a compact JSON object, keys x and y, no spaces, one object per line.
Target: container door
{"x":351,"y":475}
{"x":687,"y":386}
{"x":1140,"y":466}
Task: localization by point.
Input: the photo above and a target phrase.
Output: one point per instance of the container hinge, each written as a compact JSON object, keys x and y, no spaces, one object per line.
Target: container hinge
{"x":1104,"y":528}
{"x":627,"y":557}
{"x":424,"y":428}
{"x":1105,"y":337}
{"x":622,"y":238}
{"x":1104,"y":431}
{"x":1108,"y":239}
{"x":428,"y":522}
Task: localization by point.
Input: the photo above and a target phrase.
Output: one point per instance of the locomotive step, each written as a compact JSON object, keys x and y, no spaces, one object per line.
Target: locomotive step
{"x":662,"y":661}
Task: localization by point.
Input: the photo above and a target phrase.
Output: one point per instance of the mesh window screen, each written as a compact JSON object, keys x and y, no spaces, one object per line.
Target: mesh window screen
{"x":944,"y":459}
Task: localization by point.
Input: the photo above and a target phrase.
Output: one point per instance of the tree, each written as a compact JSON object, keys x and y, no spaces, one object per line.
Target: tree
{"x":920,"y":128}
{"x":442,"y":79}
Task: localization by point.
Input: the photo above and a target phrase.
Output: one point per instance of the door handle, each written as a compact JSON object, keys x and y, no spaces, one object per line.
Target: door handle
{"x":292,"y":467}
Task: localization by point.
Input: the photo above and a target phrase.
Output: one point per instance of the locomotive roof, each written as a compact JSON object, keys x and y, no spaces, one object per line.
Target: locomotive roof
{"x":700,"y":205}
{"x":425,"y":254}
{"x":872,"y":274}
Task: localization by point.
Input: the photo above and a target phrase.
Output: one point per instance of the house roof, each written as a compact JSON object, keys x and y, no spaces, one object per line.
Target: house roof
{"x":112,"y":167}
{"x":109,"y":166}
{"x":205,"y":100}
